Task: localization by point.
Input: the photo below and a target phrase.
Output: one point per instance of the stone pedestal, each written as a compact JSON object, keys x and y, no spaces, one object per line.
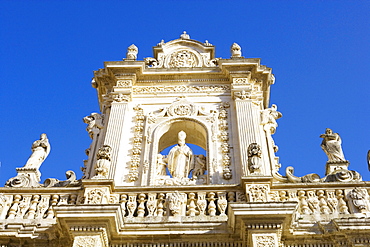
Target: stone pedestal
{"x":331,"y":166}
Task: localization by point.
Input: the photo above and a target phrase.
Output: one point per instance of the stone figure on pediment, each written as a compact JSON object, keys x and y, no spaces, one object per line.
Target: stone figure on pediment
{"x":40,"y":150}
{"x":94,"y":124}
{"x":332,"y":145}
{"x":180,"y":158}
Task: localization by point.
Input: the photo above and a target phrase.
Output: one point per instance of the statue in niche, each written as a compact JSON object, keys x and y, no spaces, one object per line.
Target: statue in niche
{"x":40,"y":150}
{"x":161,"y":165}
{"x":331,"y":144}
{"x":199,"y":165}
{"x":180,"y":158}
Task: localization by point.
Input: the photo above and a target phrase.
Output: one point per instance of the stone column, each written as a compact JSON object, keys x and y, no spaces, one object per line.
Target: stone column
{"x":248,"y":127}
{"x":115,"y":128}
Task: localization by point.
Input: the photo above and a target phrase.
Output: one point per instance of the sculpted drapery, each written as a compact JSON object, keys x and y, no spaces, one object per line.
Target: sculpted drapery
{"x":331,"y":144}
{"x":40,"y":150}
{"x":180,"y":158}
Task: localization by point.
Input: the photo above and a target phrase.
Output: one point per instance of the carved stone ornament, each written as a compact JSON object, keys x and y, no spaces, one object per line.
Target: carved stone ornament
{"x":103,"y":162}
{"x":132,"y":52}
{"x":359,"y":199}
{"x":236,"y":50}
{"x":258,"y":193}
{"x":254,"y":158}
{"x":183,"y":59}
{"x":265,"y":241}
{"x":87,"y":241}
{"x":94,"y":124}
{"x":242,"y":95}
{"x":70,"y":182}
{"x":121,"y":97}
{"x":181,"y":89}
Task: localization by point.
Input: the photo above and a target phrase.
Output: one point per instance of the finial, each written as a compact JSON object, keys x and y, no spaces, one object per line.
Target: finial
{"x":206,"y":43}
{"x":161,"y":43}
{"x":236,"y":50}
{"x":184,"y":35}
{"x":132,"y":52}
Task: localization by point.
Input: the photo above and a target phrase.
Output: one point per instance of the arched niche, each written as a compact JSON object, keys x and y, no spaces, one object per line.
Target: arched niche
{"x":195,"y":133}
{"x":165,"y":134}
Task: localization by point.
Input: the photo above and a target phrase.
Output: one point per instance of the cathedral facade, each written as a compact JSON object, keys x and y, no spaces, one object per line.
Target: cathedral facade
{"x":182,"y":154}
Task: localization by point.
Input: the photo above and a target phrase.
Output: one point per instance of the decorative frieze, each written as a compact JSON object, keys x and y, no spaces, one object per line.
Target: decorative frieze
{"x":218,"y":89}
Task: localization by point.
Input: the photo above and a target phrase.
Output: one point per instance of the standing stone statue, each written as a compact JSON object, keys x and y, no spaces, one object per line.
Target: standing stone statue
{"x":40,"y":150}
{"x":180,"y":158}
{"x":331,"y":144}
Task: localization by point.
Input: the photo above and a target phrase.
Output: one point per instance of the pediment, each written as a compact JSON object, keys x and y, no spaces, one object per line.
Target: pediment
{"x":182,"y":53}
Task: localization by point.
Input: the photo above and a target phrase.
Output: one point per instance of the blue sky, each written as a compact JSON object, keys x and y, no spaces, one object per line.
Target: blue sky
{"x":318,"y":50}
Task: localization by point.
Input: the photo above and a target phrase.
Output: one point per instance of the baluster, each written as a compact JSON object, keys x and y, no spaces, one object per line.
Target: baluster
{"x":131,"y":205}
{"x":283,"y":196}
{"x":231,"y":196}
{"x":212,"y":205}
{"x":160,"y":205}
{"x":202,"y":203}
{"x":54,"y":201}
{"x":123,"y":204}
{"x":141,"y":207}
{"x":73,"y":199}
{"x":304,"y":205}
{"x":343,"y":209}
{"x":323,"y":204}
{"x":32,"y":211}
{"x":191,"y":206}
{"x":151,"y":204}
{"x":14,"y":208}
{"x":222,"y":203}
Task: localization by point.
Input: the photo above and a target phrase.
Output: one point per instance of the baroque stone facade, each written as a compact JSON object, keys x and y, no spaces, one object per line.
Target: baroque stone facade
{"x":182,"y":154}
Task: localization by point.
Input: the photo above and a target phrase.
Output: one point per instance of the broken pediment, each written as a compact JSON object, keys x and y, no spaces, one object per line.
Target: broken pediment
{"x":182,"y":53}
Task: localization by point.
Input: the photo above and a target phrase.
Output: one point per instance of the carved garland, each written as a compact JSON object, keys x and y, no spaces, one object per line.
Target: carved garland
{"x":224,"y":137}
{"x":136,"y":149}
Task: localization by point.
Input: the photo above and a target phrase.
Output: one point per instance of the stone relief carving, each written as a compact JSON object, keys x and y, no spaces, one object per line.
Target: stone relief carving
{"x":120,"y":97}
{"x":224,"y":138}
{"x":254,"y":158}
{"x":182,"y":89}
{"x":103,"y":162}
{"x":265,"y":241}
{"x":183,"y":58}
{"x":137,"y":142}
{"x":132,"y":52}
{"x":87,"y":241}
{"x":332,"y":146}
{"x":175,"y":203}
{"x":359,"y":199}
{"x":257,"y":193}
